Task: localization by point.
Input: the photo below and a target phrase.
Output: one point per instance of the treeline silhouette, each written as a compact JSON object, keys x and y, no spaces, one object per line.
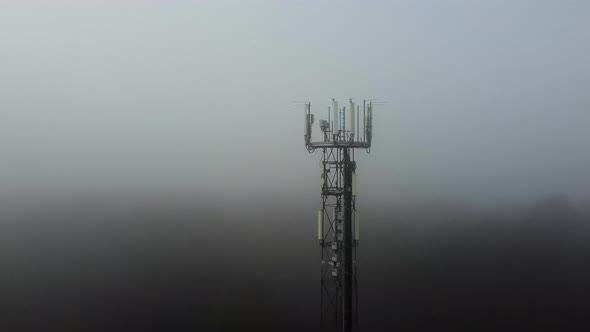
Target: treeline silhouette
{"x":517,"y":271}
{"x":188,"y":264}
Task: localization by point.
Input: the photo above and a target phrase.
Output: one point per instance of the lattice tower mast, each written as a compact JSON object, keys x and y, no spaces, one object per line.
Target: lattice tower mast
{"x":338,"y":222}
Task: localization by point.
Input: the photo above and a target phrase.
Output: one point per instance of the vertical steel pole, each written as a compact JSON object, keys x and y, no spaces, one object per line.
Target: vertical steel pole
{"x":347,"y":280}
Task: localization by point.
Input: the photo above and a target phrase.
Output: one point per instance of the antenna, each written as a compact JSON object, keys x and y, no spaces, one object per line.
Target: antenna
{"x":338,"y":223}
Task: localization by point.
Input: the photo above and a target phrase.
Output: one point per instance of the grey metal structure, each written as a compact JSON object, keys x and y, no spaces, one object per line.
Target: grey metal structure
{"x":338,"y":224}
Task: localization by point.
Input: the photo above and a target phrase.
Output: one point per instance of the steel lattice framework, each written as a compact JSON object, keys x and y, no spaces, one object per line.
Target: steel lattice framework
{"x":338,"y":225}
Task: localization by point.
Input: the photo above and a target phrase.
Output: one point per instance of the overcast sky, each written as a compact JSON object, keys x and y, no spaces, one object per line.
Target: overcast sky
{"x":486,"y":99}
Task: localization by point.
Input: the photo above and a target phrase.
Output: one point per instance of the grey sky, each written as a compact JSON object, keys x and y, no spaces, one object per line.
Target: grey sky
{"x":486,"y":98}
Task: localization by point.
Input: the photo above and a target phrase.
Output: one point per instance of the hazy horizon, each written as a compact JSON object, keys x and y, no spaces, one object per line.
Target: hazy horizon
{"x":485,"y":99}
{"x":154,"y":174}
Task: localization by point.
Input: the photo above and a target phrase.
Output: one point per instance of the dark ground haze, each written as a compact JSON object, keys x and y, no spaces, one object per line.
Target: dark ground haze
{"x":188,"y":264}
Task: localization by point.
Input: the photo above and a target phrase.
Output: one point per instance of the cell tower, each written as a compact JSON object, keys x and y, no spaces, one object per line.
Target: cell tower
{"x":338,"y":223}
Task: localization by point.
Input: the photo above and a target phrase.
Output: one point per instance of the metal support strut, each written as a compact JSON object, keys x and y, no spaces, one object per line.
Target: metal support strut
{"x":347,"y":259}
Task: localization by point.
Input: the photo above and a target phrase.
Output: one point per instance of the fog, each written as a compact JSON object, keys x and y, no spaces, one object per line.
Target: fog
{"x":154,"y":173}
{"x":484,"y":98}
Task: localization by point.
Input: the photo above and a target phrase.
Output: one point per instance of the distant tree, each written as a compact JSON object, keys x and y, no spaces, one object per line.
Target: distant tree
{"x":552,"y":210}
{"x":551,"y":223}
